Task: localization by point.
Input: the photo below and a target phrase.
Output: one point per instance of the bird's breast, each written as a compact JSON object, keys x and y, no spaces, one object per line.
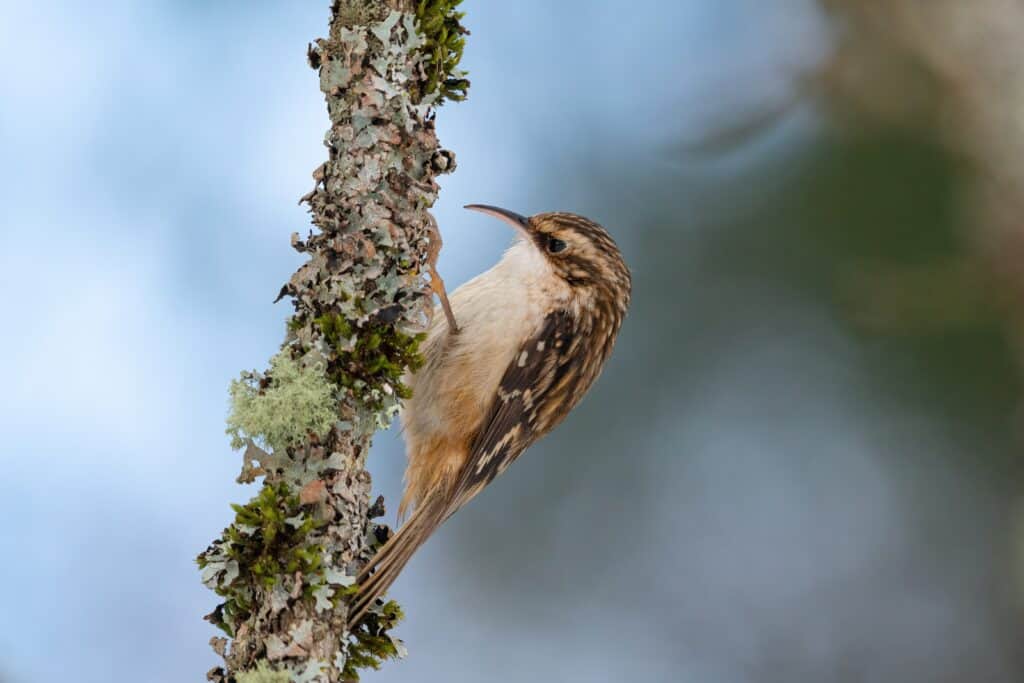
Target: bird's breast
{"x":497,"y":313}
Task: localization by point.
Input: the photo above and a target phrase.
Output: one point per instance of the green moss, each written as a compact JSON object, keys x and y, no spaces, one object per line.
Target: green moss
{"x":277,"y":545}
{"x":370,"y":359}
{"x":267,"y":540}
{"x":263,"y":674}
{"x":336,"y":329}
{"x":438,"y":23}
{"x":282,"y":408}
{"x":371,"y":644}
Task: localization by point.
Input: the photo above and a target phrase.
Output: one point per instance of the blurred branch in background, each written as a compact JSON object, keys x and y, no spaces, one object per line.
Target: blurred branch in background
{"x":952,"y":68}
{"x":957,"y":67}
{"x":285,"y":566}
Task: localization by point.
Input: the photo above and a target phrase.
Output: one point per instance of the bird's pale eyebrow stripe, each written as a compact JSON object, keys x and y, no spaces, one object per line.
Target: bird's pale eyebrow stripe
{"x":586,"y":226}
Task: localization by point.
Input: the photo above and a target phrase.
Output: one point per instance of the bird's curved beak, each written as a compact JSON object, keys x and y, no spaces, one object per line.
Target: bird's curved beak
{"x":517,"y":221}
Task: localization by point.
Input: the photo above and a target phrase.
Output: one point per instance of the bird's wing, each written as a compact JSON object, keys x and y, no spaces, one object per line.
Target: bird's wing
{"x":537,"y":390}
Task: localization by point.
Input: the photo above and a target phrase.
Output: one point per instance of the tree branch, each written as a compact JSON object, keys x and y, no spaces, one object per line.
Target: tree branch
{"x":285,"y":566}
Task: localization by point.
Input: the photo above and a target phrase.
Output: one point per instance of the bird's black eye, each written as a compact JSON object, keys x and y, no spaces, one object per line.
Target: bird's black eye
{"x":556,"y":245}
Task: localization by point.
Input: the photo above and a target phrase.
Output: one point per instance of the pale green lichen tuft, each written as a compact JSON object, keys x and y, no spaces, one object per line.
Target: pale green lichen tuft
{"x":283,"y":407}
{"x":264,"y":674}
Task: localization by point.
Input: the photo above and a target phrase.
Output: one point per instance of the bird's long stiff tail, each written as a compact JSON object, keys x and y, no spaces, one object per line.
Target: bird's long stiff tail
{"x":380,"y":572}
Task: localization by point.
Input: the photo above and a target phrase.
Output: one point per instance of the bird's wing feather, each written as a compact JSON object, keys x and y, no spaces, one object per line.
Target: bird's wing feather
{"x":538,"y":388}
{"x":536,"y":391}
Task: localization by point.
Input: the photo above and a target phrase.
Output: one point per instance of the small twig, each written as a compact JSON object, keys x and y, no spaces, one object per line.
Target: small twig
{"x":436,"y":283}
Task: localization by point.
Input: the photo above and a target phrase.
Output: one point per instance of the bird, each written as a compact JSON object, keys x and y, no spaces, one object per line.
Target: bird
{"x":533,"y":334}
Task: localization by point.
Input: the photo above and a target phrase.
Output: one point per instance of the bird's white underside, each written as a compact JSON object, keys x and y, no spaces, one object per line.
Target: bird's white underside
{"x":499,"y":310}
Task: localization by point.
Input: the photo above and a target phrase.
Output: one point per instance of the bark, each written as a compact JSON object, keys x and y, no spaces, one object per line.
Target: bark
{"x":284,"y":567}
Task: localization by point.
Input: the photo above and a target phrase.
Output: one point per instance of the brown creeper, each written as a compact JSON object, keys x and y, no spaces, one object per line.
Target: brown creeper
{"x":536,"y":330}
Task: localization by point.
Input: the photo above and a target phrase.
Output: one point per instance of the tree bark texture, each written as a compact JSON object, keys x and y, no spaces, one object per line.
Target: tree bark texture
{"x":284,"y":568}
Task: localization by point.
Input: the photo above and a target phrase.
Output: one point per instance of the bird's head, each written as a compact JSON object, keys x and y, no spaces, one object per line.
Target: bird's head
{"x":578,"y":250}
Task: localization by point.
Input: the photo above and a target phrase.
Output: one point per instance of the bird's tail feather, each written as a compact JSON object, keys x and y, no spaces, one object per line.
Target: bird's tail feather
{"x":377,"y":576}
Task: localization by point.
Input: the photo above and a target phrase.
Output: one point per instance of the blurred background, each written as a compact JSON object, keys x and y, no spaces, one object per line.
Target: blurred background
{"x":802,"y":463}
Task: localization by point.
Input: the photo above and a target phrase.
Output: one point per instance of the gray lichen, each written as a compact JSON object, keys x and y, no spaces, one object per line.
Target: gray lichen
{"x":285,"y":566}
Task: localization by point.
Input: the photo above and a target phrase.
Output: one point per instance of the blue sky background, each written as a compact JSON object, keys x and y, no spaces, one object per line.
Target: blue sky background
{"x":154,"y":154}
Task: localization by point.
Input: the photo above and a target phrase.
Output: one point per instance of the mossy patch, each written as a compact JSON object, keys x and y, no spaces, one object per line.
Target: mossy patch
{"x":439,"y":24}
{"x":371,"y":644}
{"x":371,"y":359}
{"x":268,"y":540}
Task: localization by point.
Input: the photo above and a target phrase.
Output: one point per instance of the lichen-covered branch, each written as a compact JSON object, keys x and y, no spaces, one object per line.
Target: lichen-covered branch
{"x":284,"y":568}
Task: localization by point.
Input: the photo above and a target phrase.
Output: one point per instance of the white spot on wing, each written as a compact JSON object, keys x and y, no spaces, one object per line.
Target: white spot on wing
{"x":505,"y":441}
